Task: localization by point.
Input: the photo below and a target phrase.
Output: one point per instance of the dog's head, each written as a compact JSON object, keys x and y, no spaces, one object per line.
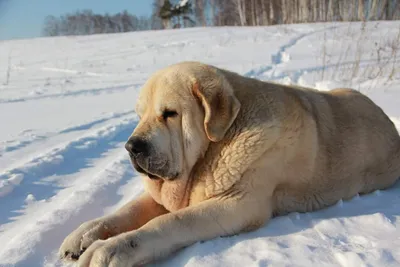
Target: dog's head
{"x":182,"y":108}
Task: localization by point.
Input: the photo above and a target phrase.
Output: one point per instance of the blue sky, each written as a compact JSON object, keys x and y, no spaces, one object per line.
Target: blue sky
{"x":24,"y":18}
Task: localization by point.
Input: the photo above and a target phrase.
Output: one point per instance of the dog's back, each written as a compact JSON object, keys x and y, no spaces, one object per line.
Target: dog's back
{"x":368,"y":137}
{"x":357,"y":150}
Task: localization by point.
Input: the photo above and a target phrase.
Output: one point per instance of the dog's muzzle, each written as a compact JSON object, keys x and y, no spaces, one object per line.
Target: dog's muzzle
{"x":144,"y":160}
{"x":139,"y":152}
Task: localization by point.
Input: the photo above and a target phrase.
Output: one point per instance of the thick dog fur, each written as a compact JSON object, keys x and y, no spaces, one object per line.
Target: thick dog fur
{"x":221,"y":154}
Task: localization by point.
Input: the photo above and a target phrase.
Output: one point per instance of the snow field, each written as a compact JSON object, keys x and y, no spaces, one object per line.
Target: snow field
{"x":68,"y":108}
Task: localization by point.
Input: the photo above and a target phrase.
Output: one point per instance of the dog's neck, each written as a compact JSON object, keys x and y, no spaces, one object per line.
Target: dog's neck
{"x":172,"y":194}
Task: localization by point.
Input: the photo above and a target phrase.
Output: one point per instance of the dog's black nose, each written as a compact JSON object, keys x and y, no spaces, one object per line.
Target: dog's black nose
{"x":136,"y":145}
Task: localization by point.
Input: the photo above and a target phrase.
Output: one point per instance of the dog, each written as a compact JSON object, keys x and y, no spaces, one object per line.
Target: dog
{"x":221,"y":154}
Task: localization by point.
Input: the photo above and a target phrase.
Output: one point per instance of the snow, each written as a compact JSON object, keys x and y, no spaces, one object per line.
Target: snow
{"x":69,"y":105}
{"x":183,"y":3}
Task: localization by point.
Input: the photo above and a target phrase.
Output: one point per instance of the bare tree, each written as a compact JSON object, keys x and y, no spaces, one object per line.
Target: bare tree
{"x":241,"y":10}
{"x":128,"y":21}
{"x":334,"y":11}
{"x":304,"y":11}
{"x":393,"y":11}
{"x":276,"y":11}
{"x":266,"y":12}
{"x":315,"y":7}
{"x":361,"y":11}
{"x":212,"y":12}
{"x":51,"y":26}
{"x":156,"y":22}
{"x":253,"y":14}
{"x":200,"y":9}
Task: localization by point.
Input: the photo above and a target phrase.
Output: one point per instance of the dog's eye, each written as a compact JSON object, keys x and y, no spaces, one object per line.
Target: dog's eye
{"x":169,"y":114}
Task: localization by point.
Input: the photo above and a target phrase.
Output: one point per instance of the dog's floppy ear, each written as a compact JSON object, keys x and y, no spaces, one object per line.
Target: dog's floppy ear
{"x":219,"y":103}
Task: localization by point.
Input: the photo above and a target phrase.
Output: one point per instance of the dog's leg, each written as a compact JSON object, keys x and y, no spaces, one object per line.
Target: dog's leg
{"x":131,"y":216}
{"x":170,"y":232}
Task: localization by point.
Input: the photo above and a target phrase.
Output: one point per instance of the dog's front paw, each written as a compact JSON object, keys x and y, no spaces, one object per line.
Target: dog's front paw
{"x":80,"y":239}
{"x":119,"y":251}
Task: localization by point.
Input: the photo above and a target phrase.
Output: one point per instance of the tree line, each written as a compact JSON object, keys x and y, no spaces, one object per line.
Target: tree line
{"x":189,"y":13}
{"x":86,"y":22}
{"x":270,"y":12}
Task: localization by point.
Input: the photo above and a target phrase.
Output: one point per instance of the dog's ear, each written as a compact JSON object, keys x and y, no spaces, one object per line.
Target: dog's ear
{"x":219,"y":103}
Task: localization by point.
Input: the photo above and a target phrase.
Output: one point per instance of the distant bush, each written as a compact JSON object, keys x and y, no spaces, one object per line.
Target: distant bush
{"x":356,"y":58}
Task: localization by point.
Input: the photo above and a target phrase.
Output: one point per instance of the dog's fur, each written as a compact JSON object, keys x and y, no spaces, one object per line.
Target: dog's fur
{"x":231,"y":153}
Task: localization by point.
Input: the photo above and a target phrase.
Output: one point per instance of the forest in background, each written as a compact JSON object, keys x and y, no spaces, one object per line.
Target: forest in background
{"x":208,"y":13}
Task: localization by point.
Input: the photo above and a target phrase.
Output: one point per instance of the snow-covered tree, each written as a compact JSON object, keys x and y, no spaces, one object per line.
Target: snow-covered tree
{"x":174,"y":13}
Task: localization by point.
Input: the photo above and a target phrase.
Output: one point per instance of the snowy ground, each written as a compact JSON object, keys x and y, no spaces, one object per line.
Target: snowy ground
{"x":67,"y":110}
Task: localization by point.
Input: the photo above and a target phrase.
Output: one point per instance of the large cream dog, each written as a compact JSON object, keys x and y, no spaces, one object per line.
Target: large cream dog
{"x":221,"y":154}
